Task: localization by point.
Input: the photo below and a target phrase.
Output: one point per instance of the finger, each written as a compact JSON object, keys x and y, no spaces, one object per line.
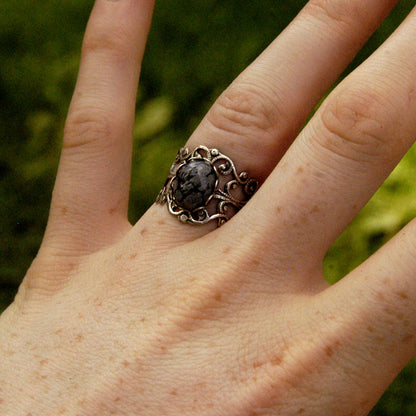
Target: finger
{"x":256,"y":118}
{"x":91,"y":192}
{"x":344,"y":154}
{"x":374,"y":334}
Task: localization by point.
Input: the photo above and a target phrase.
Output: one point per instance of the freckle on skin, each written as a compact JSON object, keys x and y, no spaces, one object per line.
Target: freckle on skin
{"x":161,"y":222}
{"x":403,"y":295}
{"x":386,"y":281}
{"x":411,"y":95}
{"x":277,"y":360}
{"x":407,"y":339}
{"x":143,"y":231}
{"x":329,"y":351}
{"x":380,"y":296}
{"x":393,"y":312}
{"x":314,"y":210}
{"x":70,"y":267}
{"x":126,"y":363}
{"x":300,"y":169}
{"x":226,"y":250}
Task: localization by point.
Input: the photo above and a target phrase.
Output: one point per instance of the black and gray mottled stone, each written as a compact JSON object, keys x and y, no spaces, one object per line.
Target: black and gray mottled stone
{"x":194,"y":184}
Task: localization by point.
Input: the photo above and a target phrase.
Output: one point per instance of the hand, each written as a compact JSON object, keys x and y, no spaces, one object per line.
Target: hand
{"x":162,"y":318}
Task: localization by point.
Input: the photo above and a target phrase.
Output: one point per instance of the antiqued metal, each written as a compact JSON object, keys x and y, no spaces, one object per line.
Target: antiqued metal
{"x":203,"y":185}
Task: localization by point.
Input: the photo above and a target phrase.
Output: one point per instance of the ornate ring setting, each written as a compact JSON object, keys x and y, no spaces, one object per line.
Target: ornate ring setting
{"x":203,"y":185}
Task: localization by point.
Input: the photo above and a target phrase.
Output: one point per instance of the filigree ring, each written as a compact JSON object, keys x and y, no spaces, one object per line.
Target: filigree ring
{"x":203,"y":185}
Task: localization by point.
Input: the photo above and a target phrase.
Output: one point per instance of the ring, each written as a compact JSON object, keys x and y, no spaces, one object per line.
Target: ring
{"x":203,"y":185}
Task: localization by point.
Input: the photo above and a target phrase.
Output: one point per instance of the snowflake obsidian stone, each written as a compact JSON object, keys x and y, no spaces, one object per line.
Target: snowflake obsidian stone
{"x":203,"y":185}
{"x":194,"y":184}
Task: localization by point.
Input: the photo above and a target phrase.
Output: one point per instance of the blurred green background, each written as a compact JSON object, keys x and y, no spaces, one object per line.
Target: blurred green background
{"x":195,"y":50}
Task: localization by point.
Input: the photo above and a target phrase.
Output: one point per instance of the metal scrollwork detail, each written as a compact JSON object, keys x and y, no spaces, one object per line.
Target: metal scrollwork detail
{"x":203,"y":185}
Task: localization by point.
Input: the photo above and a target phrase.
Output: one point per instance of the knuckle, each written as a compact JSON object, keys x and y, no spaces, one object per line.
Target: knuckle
{"x":111,"y":42}
{"x":341,"y":12}
{"x":247,"y":110}
{"x":47,"y":274}
{"x":354,"y":125}
{"x":89,"y":127}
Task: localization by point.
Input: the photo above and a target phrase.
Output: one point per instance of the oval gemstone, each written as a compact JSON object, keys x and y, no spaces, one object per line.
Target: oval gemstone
{"x":194,"y":184}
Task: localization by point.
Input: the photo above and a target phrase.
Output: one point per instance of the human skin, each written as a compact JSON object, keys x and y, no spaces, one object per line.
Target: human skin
{"x":161,"y":318}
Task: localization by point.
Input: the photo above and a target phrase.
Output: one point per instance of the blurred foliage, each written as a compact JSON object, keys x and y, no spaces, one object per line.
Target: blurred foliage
{"x":195,"y":50}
